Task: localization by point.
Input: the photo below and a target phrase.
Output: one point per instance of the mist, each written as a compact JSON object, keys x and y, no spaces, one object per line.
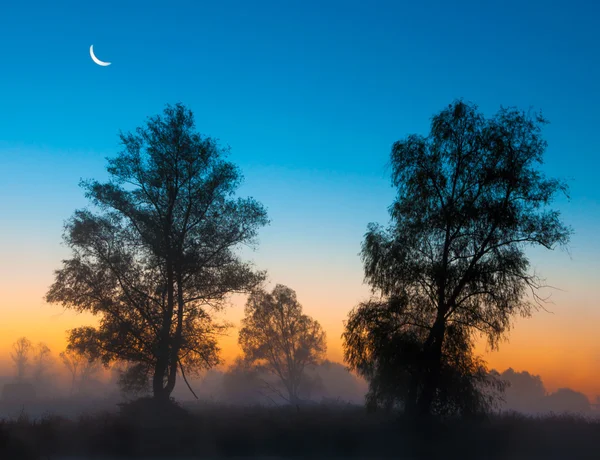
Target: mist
{"x":527,"y":394}
{"x":235,"y":409}
{"x":68,"y":385}
{"x":64,"y":384}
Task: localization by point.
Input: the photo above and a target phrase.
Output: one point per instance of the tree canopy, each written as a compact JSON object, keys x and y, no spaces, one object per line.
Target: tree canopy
{"x":471,"y":198}
{"x":278,"y":337}
{"x":155,"y":255}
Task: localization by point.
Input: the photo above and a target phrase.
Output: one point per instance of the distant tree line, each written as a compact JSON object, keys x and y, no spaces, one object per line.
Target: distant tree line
{"x":35,"y":367}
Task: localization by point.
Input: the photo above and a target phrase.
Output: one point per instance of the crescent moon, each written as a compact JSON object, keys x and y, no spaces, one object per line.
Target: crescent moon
{"x":95,"y":59}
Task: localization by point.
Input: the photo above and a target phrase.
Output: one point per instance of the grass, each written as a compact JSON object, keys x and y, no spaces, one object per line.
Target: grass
{"x":147,"y":430}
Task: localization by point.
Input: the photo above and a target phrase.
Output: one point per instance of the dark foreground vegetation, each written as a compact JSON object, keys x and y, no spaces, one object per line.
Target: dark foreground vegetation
{"x":147,"y":429}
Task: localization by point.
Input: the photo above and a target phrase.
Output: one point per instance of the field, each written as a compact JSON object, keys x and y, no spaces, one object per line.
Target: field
{"x":215,"y":431}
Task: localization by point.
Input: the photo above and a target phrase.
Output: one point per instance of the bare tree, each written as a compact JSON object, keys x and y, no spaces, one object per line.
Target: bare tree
{"x":279,"y":338}
{"x":20,"y":356}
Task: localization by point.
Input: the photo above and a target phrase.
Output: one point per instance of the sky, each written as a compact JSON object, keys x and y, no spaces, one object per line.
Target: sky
{"x":309,"y":96}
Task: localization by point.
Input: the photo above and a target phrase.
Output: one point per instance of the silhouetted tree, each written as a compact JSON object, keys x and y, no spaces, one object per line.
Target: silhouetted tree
{"x":157,"y":256}
{"x":525,"y":392}
{"x":278,"y":337}
{"x":336,"y":383}
{"x":72,"y":361}
{"x":471,"y":199}
{"x":81,"y":368}
{"x":42,"y":360}
{"x":567,"y":400}
{"x":242,"y":383}
{"x":88,"y":373}
{"x":132,"y":379}
{"x":380,"y":347}
{"x":20,"y":356}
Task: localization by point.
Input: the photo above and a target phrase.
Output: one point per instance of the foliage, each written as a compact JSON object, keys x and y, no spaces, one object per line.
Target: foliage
{"x":471,"y":199}
{"x":388,"y":354}
{"x":278,"y":337}
{"x":242,"y":383}
{"x":567,"y":400}
{"x":524,"y":393}
{"x":156,"y":257}
{"x":133,"y":379}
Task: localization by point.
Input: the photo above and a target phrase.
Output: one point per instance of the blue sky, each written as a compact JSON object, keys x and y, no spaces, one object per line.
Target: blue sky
{"x":296,"y":87}
{"x":309,"y":96}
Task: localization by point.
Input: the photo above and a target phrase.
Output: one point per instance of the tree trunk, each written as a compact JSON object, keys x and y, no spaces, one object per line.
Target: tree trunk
{"x":161,"y":367}
{"x":168,"y":365}
{"x":410,"y":405}
{"x":162,"y":359}
{"x":432,"y":366}
{"x":176,"y":343}
{"x":171,"y":379}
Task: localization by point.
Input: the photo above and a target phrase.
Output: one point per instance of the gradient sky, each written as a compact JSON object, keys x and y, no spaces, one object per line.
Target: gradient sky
{"x":309,"y":96}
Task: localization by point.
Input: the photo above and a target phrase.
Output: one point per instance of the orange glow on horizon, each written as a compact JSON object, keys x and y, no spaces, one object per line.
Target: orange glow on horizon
{"x":554,"y":345}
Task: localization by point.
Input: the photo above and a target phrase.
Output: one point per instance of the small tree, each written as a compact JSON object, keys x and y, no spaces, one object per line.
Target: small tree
{"x":81,"y":368}
{"x":471,"y":199}
{"x":42,"y":361}
{"x":279,"y":338}
{"x":73,"y":362}
{"x":242,"y":383}
{"x":20,"y":356}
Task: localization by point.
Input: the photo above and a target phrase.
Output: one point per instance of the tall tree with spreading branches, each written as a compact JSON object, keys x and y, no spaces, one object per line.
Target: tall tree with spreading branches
{"x":471,"y":199}
{"x":156,"y":254}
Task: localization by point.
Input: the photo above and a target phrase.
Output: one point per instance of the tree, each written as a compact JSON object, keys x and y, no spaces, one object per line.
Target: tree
{"x":82,"y":369}
{"x":471,"y":199}
{"x":20,"y":356}
{"x":132,"y":378}
{"x":567,"y":400}
{"x":42,"y":360}
{"x":337,"y":383}
{"x":381,"y":348}
{"x":73,"y":361}
{"x":278,"y":337}
{"x":156,"y":257}
{"x":525,"y":392}
{"x":242,"y":383}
